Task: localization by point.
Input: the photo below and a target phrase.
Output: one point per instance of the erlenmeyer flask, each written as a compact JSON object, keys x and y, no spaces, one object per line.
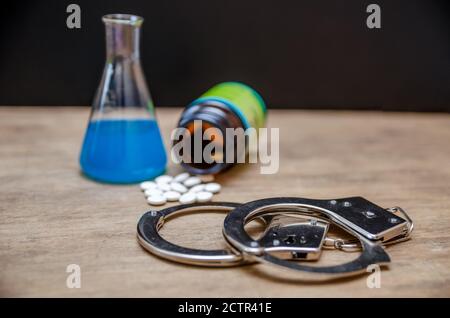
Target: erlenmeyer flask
{"x":122,"y":142}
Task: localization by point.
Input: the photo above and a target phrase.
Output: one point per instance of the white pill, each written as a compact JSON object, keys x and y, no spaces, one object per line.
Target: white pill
{"x":181,"y":177}
{"x":192,"y":181}
{"x":213,"y":187}
{"x":164,"y":179}
{"x":176,"y":186}
{"x":164,"y":187}
{"x":150,"y":192}
{"x":147,"y":185}
{"x":203,"y":196}
{"x":172,"y":195}
{"x":188,"y":198}
{"x":156,"y":200}
{"x":197,"y":188}
{"x":206,"y":177}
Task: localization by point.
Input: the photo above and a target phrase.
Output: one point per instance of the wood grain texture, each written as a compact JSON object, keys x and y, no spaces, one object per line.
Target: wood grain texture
{"x":51,"y":216}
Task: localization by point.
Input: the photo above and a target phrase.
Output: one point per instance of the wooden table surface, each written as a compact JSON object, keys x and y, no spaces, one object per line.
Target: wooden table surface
{"x":51,"y":216}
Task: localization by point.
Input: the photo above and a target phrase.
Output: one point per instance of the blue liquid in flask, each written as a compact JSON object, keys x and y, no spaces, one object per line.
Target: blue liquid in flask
{"x":123,"y":150}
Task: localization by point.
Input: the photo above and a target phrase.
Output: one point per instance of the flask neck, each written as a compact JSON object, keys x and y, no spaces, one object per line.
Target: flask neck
{"x":122,"y":36}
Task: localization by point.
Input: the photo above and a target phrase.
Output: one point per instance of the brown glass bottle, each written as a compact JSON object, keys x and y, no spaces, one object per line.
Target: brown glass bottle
{"x":208,"y":121}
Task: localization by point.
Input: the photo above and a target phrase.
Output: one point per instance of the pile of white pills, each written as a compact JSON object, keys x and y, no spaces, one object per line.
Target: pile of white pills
{"x":183,"y":188}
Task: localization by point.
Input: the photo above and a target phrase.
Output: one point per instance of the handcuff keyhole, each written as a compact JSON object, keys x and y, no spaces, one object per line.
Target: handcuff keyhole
{"x":290,"y":239}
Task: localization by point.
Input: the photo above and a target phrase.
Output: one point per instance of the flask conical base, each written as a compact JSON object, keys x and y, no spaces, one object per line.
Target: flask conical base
{"x":123,"y":150}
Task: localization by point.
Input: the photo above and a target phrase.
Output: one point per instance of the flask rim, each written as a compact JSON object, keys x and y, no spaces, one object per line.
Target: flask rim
{"x":125,"y":19}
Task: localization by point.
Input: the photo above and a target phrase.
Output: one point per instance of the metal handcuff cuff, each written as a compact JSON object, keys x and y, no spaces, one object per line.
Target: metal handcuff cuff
{"x":152,"y":221}
{"x":372,"y":225}
{"x":296,"y":229}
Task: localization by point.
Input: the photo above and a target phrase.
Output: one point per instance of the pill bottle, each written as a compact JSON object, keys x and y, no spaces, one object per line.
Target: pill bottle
{"x":228,"y":105}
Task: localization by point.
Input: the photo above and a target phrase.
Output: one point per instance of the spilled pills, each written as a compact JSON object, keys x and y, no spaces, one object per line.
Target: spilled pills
{"x":172,"y":196}
{"x":163,"y":179}
{"x":203,"y":196}
{"x":178,"y":187}
{"x":156,"y":200}
{"x":150,"y":192}
{"x":197,"y":188}
{"x":183,"y":188}
{"x":188,"y":198}
{"x":213,"y":187}
{"x":181,"y":177}
{"x":192,"y":181}
{"x":148,"y":185}
{"x":164,"y":187}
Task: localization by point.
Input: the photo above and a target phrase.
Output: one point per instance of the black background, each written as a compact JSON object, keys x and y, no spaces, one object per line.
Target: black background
{"x":297,"y":54}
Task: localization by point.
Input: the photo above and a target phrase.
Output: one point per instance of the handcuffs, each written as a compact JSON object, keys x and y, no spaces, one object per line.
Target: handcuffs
{"x":296,"y":230}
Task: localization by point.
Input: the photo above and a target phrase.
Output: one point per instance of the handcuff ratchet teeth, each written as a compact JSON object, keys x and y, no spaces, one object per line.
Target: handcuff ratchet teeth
{"x":369,"y":223}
